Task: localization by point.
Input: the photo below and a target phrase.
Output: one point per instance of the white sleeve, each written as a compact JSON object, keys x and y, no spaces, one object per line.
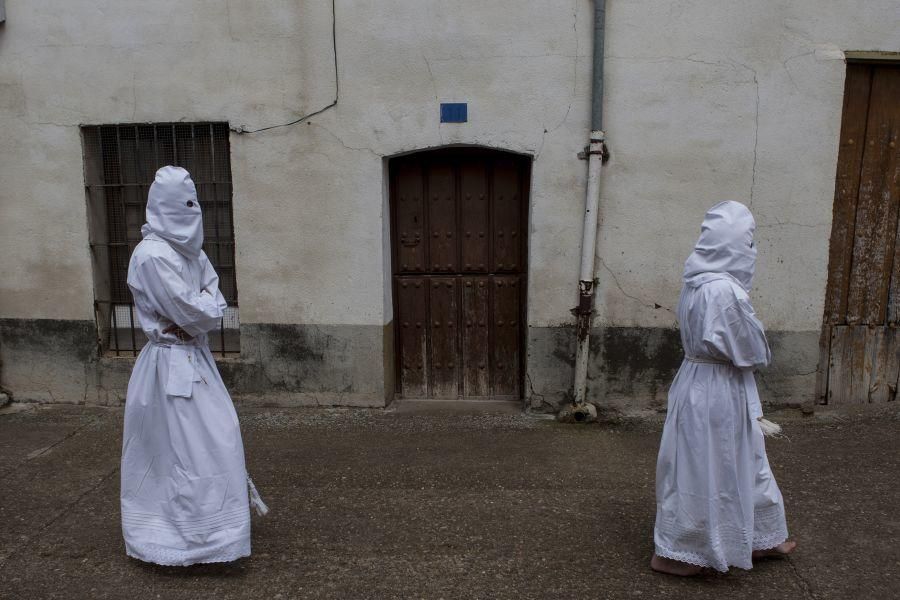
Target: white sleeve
{"x":733,"y":331}
{"x":167,"y":294}
{"x":210,"y":282}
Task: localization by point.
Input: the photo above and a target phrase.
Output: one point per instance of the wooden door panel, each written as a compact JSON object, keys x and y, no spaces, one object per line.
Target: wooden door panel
{"x":893,"y":304}
{"x":882,"y":364}
{"x":412,"y":312}
{"x":507,"y":217}
{"x":846,"y":191}
{"x":444,"y":347}
{"x":475,"y":225}
{"x":410,"y":218}
{"x":845,"y":369}
{"x":876,"y":212}
{"x":863,"y":365}
{"x":442,"y":218}
{"x":475,"y":343}
{"x":505,"y":333}
{"x":892,"y":186}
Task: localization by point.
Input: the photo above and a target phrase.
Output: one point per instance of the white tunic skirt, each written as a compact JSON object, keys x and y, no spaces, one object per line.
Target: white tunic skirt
{"x":717,"y":499}
{"x":184,"y":485}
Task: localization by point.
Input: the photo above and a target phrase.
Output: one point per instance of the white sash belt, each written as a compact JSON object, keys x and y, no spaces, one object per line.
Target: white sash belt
{"x":706,"y":361}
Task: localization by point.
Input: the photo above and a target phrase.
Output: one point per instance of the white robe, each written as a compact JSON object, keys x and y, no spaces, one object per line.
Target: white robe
{"x":717,"y":499}
{"x":184,"y":488}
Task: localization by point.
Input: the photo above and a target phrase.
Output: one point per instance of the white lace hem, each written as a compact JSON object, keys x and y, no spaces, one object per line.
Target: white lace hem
{"x":760,"y":542}
{"x":172,"y":557}
{"x":767,"y":542}
{"x":699,"y":560}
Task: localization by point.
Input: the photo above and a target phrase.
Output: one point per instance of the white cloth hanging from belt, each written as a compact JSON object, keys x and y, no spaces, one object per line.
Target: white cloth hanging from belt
{"x":183,"y":372}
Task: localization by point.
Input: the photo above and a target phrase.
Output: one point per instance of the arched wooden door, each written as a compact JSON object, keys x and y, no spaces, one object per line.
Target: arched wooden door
{"x":459,"y":249}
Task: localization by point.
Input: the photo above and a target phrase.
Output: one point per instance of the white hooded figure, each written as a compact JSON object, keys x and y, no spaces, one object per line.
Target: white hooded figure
{"x":717,"y":503}
{"x":184,"y":491}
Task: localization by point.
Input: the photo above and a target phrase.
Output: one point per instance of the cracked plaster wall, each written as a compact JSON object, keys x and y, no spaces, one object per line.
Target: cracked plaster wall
{"x":308,"y":199}
{"x":709,"y":101}
{"x":705,"y":101}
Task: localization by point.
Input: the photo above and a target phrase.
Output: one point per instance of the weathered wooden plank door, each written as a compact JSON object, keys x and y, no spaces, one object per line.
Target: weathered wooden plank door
{"x":860,"y":343}
{"x":458,"y":230}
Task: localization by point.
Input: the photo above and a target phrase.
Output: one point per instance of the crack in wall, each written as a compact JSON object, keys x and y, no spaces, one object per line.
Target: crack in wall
{"x":565,"y":117}
{"x":133,"y":96}
{"x":755,"y":144}
{"x":777,"y":223}
{"x":787,"y":69}
{"x":533,"y":393}
{"x":230,"y":22}
{"x":727,"y":63}
{"x":436,"y":98}
{"x":736,"y":64}
{"x":755,"y":139}
{"x":653,"y":305}
{"x":345,"y":145}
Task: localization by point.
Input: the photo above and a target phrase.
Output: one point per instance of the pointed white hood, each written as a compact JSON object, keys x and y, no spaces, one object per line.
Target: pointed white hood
{"x":725,"y":247}
{"x":173,"y":212}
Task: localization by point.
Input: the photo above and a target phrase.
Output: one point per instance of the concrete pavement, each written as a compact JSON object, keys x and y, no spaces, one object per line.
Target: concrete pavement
{"x":443,"y":503}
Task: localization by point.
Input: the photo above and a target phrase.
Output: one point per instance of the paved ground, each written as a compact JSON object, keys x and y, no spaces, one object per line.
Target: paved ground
{"x":399,"y":504}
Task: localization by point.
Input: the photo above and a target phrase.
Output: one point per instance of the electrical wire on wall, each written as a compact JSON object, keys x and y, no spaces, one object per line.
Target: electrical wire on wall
{"x":241,"y":129}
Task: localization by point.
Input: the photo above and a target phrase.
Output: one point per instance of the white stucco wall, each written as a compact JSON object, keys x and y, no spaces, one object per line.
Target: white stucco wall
{"x":398,"y":61}
{"x":706,"y":100}
{"x":726,"y":100}
{"x":308,"y":200}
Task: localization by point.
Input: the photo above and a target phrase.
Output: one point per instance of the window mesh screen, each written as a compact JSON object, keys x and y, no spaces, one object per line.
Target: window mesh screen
{"x":120,"y":164}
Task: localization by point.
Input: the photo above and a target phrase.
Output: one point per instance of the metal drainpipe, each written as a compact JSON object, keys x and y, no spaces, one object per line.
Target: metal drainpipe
{"x":596,"y":154}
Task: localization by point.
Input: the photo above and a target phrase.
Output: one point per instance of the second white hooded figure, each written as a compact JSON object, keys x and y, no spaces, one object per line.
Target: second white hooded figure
{"x":185,"y":492}
{"x":717,"y":503}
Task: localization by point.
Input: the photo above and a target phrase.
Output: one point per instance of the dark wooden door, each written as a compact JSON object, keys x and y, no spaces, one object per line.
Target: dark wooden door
{"x":860,"y":339}
{"x":459,"y":223}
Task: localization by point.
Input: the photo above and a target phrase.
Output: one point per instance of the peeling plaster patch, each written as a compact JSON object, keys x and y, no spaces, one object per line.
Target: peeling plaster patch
{"x":829,"y":52}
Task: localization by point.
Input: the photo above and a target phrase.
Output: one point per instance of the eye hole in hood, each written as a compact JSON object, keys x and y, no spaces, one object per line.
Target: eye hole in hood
{"x":725,"y":246}
{"x":173,"y":211}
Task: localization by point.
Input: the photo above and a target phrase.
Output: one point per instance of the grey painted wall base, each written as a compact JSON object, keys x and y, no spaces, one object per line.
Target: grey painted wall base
{"x":308,"y":399}
{"x":289,"y":365}
{"x":631,"y":368}
{"x":352,"y":365}
{"x":310,"y":364}
{"x":48,"y":360}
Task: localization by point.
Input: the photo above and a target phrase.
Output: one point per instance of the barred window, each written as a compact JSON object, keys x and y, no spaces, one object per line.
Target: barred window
{"x":120,"y":163}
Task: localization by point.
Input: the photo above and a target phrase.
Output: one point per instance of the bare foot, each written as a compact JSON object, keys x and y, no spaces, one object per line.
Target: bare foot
{"x":673,"y":567}
{"x":782,"y":549}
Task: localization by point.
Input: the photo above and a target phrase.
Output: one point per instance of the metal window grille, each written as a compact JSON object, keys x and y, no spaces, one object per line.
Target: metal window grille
{"x":120,"y":162}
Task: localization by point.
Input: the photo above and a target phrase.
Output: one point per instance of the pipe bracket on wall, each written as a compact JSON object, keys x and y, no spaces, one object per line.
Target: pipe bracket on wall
{"x":603,"y":152}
